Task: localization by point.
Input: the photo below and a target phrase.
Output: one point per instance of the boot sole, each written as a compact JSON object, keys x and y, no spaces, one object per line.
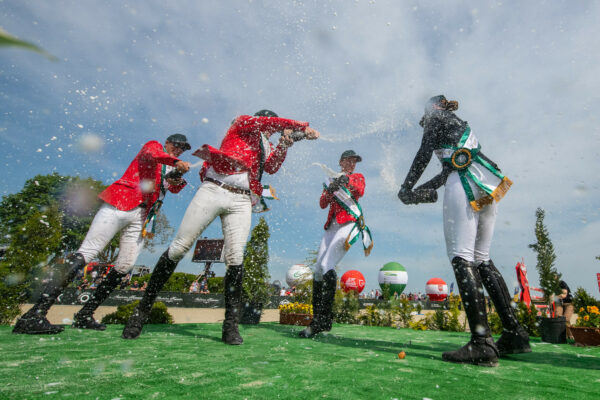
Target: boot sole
{"x":232,"y":343}
{"x":103,"y":328}
{"x":519,"y":351}
{"x":34,"y":332}
{"x":481,"y":364}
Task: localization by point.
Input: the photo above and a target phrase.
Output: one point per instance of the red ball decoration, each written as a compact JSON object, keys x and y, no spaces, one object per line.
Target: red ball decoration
{"x":352,"y":280}
{"x":436,"y":289}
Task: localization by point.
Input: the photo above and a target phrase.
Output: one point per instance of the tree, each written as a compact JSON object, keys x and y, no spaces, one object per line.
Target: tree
{"x":25,"y":257}
{"x":74,"y":198}
{"x":49,"y":217}
{"x":549,"y":276}
{"x":77,"y":201}
{"x":256,"y":259}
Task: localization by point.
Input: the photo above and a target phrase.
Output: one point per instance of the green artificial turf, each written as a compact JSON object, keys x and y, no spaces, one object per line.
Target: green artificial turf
{"x":352,"y":362}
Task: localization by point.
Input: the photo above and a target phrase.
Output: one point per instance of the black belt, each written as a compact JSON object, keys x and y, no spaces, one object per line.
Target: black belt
{"x":230,"y":188}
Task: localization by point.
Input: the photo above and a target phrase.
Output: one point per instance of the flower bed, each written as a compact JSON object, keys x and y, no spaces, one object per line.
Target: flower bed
{"x":295,"y":314}
{"x":586,"y":332}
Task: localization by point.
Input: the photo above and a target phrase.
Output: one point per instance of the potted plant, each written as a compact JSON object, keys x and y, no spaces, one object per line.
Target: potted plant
{"x":295,"y":314}
{"x":256,"y":274}
{"x":552,"y":329}
{"x":586,"y":331}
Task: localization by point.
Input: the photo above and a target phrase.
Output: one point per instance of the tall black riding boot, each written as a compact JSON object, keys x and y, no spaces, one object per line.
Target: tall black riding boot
{"x":514,"y":338}
{"x":34,"y":321}
{"x":317,"y":303}
{"x":162,"y":272}
{"x":84,"y":319}
{"x":481,"y":349}
{"x":233,"y":304}
{"x":329,"y":288}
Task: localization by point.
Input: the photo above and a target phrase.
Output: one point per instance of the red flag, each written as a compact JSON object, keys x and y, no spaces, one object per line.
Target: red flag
{"x":525,"y":297}
{"x":598,"y":276}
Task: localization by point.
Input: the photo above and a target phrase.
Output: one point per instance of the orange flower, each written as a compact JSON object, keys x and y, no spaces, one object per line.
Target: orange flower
{"x":586,"y":317}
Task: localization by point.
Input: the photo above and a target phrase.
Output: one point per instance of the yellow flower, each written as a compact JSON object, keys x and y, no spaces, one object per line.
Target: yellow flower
{"x":586,"y":318}
{"x":581,"y":309}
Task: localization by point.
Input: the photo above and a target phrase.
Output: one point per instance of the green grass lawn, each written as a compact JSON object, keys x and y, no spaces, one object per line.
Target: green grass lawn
{"x":352,"y":362}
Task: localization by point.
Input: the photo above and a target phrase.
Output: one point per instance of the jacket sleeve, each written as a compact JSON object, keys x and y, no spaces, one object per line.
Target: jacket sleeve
{"x":154,"y":150}
{"x":247,"y":124}
{"x":420,"y":162}
{"x":325,"y":199}
{"x":356,"y":185}
{"x":177,"y":188}
{"x":276,"y":158}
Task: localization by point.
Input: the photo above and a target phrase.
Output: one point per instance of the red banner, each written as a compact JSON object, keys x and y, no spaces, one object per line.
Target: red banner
{"x":522,"y":277}
{"x":598,"y":276}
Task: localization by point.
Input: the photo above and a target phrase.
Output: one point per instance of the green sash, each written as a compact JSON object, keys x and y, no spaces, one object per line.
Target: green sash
{"x":461,"y":158}
{"x":345,"y":199}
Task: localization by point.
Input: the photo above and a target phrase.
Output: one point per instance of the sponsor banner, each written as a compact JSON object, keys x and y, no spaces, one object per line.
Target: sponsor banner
{"x":193,"y":300}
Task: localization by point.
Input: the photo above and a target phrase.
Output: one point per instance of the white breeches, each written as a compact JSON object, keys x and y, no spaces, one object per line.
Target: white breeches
{"x":209,"y":202}
{"x":332,"y":250}
{"x":468,"y":233}
{"x":106,"y":224}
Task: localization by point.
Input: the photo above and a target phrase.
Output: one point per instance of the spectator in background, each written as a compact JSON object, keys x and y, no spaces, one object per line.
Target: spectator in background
{"x":135,"y":285}
{"x":144,"y":286}
{"x":124,"y":282}
{"x":204,"y":286}
{"x":82,"y":286}
{"x":194,"y":287}
{"x":564,"y":307}
{"x":282,"y":291}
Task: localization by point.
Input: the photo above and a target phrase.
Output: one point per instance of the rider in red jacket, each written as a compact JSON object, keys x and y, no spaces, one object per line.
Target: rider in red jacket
{"x":129,"y":205}
{"x":231,"y":180}
{"x":142,"y":179}
{"x":335,"y":243}
{"x":241,"y":148}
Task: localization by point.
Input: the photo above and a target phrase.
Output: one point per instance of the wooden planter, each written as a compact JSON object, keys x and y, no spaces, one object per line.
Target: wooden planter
{"x":295,"y":319}
{"x":585,"y":336}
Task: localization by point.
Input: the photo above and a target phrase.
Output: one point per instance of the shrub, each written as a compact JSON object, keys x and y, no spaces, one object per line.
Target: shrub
{"x":345,"y":307}
{"x":403,"y":308}
{"x":179,"y":282}
{"x":495,"y":323}
{"x":255,"y":283}
{"x":442,"y":320}
{"x":527,"y":318}
{"x":374,"y":316}
{"x":303,"y":292}
{"x":158,"y":315}
{"x":216,"y":285}
{"x":582,"y":299}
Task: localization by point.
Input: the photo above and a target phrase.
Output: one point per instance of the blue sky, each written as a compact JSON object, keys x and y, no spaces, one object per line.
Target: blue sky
{"x":525,"y":74}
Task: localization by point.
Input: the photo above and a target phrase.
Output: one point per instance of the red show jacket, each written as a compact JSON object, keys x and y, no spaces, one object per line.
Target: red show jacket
{"x":356,"y":186}
{"x":127,"y":192}
{"x":240,"y":148}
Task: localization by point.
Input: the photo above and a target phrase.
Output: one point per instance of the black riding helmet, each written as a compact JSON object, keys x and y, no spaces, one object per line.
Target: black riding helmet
{"x":265,"y":113}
